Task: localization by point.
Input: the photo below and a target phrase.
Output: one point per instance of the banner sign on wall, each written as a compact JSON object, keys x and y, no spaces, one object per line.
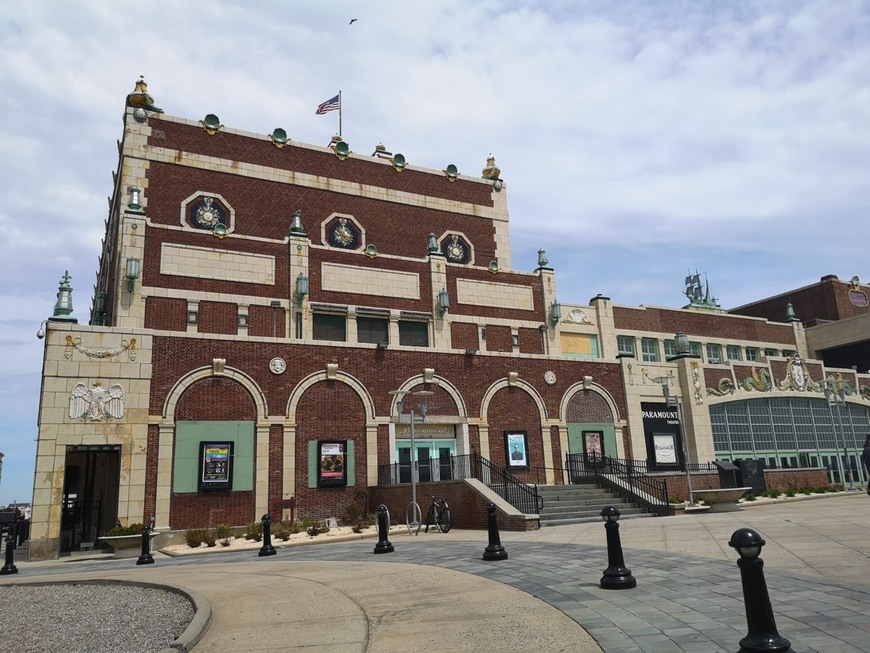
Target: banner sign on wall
{"x":215,"y":466}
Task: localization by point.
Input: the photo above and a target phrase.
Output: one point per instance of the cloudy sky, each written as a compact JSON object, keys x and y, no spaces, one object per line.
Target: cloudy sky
{"x":639,"y":140}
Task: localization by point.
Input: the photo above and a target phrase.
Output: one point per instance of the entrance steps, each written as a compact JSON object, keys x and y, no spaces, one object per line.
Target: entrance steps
{"x":576,"y":504}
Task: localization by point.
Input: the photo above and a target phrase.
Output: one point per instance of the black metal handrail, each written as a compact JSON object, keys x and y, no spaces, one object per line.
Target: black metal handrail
{"x":641,"y":466}
{"x":625,"y":480}
{"x":522,"y":496}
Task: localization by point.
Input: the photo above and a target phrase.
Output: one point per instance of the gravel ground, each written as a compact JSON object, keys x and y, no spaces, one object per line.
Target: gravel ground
{"x":90,"y":618}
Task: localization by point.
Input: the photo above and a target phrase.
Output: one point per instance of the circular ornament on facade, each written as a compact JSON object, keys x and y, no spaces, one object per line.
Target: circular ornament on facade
{"x":343,"y":234}
{"x":208,"y":215}
{"x":550,"y":377}
{"x":277,"y":365}
{"x":140,"y":114}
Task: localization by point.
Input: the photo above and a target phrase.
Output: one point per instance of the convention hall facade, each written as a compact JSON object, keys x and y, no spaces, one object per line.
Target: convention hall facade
{"x":266,"y":313}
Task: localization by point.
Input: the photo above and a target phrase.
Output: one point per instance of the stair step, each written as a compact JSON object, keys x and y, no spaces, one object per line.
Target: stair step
{"x":586,"y":520}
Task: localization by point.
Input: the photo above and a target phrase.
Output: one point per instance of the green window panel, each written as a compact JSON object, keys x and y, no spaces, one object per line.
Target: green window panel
{"x":188,"y":435}
{"x":314,"y":464}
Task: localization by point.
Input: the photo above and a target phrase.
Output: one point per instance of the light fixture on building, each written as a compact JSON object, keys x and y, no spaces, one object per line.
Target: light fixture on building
{"x":433,"y":244}
{"x":132,"y":272}
{"x":135,"y":195}
{"x":301,"y":288}
{"x":470,"y":351}
{"x":555,"y":313}
{"x":542,"y":258}
{"x":443,"y":301}
{"x":296,"y":228}
{"x":681,"y":343}
{"x":42,"y":327}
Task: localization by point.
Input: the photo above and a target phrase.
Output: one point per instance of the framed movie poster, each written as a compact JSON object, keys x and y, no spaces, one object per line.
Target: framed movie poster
{"x":517,"y":449}
{"x":665,"y":445}
{"x":332,"y":471}
{"x":593,"y":445}
{"x":215,"y":466}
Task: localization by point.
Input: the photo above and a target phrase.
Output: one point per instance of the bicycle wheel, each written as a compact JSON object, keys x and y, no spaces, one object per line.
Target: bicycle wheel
{"x":432,"y":518}
{"x":445,"y":521}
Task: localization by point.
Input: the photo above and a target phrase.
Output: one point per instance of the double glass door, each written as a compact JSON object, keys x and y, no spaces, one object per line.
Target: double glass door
{"x":433,"y":458}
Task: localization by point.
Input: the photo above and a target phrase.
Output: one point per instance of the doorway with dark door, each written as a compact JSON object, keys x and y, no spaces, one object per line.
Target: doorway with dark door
{"x":90,"y":495}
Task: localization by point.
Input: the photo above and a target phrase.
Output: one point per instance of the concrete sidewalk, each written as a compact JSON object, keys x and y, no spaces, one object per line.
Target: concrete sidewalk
{"x":435,"y":590}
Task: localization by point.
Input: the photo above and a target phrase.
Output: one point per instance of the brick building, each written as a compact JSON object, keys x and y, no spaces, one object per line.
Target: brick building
{"x":259,"y":300}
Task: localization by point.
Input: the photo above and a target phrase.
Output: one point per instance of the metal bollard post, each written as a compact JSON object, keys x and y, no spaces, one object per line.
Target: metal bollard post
{"x":617,"y":576}
{"x":495,"y":551}
{"x":383,"y":545}
{"x":145,"y":558}
{"x":267,"y":549}
{"x":763,"y":636}
{"x":9,"y":567}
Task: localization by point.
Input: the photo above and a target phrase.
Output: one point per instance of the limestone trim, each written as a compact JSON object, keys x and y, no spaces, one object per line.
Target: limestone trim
{"x":183,"y":383}
{"x":597,"y":389}
{"x":317,"y":377}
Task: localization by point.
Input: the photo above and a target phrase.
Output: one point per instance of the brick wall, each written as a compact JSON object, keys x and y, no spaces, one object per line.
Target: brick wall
{"x":776,"y":479}
{"x":266,"y":321}
{"x":531,"y":341}
{"x":218,"y":317}
{"x":464,"y":335}
{"x":499,"y":338}
{"x":166,"y":314}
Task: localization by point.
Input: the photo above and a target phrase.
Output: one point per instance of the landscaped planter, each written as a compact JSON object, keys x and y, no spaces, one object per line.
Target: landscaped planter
{"x":127,"y":546}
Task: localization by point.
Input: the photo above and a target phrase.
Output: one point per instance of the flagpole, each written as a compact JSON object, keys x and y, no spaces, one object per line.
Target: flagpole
{"x":339,"y":112}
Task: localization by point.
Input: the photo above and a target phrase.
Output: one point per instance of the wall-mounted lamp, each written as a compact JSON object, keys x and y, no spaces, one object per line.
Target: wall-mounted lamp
{"x":296,"y":227}
{"x":134,"y":203}
{"x":382,"y":345}
{"x":433,"y":244}
{"x":470,"y":351}
{"x":443,"y":301}
{"x":301,"y":288}
{"x":42,"y":327}
{"x":555,"y":313}
{"x":681,"y":343}
{"x":132,"y":272}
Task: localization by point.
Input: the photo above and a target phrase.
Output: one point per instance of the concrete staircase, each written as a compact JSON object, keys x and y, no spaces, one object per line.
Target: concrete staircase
{"x":575,"y":504}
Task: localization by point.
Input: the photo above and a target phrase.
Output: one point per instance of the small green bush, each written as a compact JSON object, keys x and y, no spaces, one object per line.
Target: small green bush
{"x":132,"y":529}
{"x":790,"y":492}
{"x":749,"y":497}
{"x":771,"y":494}
{"x":254,"y":531}
{"x":210,"y":538}
{"x":281,"y":533}
{"x":194,"y":537}
{"x":222,"y":531}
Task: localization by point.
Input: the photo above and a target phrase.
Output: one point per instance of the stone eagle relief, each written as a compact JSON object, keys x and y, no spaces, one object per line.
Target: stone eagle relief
{"x":96,"y":404}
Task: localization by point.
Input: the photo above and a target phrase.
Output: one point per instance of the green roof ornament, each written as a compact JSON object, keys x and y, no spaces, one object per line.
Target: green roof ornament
{"x":698,"y":294}
{"x":63,"y":307}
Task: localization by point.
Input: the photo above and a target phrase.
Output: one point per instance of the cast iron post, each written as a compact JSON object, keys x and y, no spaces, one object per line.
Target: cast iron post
{"x":267,"y":549}
{"x":763,"y":636}
{"x":145,"y":557}
{"x":9,"y":567}
{"x":383,"y":545}
{"x":616,"y":576}
{"x":495,"y":551}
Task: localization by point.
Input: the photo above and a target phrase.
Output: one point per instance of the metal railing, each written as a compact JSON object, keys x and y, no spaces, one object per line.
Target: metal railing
{"x":522,"y":496}
{"x":625,"y":480}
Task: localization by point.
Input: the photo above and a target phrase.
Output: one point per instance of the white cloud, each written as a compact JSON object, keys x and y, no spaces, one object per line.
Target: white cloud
{"x":638,"y":139}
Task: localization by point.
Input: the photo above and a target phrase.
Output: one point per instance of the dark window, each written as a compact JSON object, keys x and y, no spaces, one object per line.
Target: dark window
{"x":329,"y":327}
{"x":369,"y":329}
{"x":414,"y":334}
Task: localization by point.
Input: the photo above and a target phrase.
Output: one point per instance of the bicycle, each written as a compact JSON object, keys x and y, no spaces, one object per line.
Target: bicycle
{"x":439,"y":515}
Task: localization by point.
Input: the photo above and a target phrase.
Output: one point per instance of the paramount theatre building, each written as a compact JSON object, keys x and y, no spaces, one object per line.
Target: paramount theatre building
{"x":262,"y":305}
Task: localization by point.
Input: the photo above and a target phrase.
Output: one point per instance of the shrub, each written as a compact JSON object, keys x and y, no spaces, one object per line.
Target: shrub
{"x":790,"y":492}
{"x":194,"y":537}
{"x":749,"y":497}
{"x":210,"y":539}
{"x":132,"y":529}
{"x":222,"y":531}
{"x":771,"y":494}
{"x":254,"y":531}
{"x":281,"y":533}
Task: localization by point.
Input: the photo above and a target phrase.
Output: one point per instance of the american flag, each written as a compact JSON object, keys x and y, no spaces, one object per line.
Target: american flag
{"x":330,"y":105}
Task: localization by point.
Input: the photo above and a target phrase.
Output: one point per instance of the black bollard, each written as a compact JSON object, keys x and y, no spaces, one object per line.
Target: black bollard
{"x":763,"y":636}
{"x":267,"y":549}
{"x":495,"y":551}
{"x":145,"y":557}
{"x":617,"y":576}
{"x":9,"y":567}
{"x":383,"y":545}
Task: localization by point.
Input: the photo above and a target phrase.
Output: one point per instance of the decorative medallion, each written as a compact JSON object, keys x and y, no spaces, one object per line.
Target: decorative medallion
{"x":93,"y":352}
{"x":857,"y":296}
{"x":576,"y":316}
{"x":343,"y":234}
{"x":797,"y":377}
{"x":277,"y":365}
{"x":208,"y":215}
{"x":455,"y":250}
{"x":550,"y":377}
{"x":96,"y":404}
{"x":371,"y":251}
